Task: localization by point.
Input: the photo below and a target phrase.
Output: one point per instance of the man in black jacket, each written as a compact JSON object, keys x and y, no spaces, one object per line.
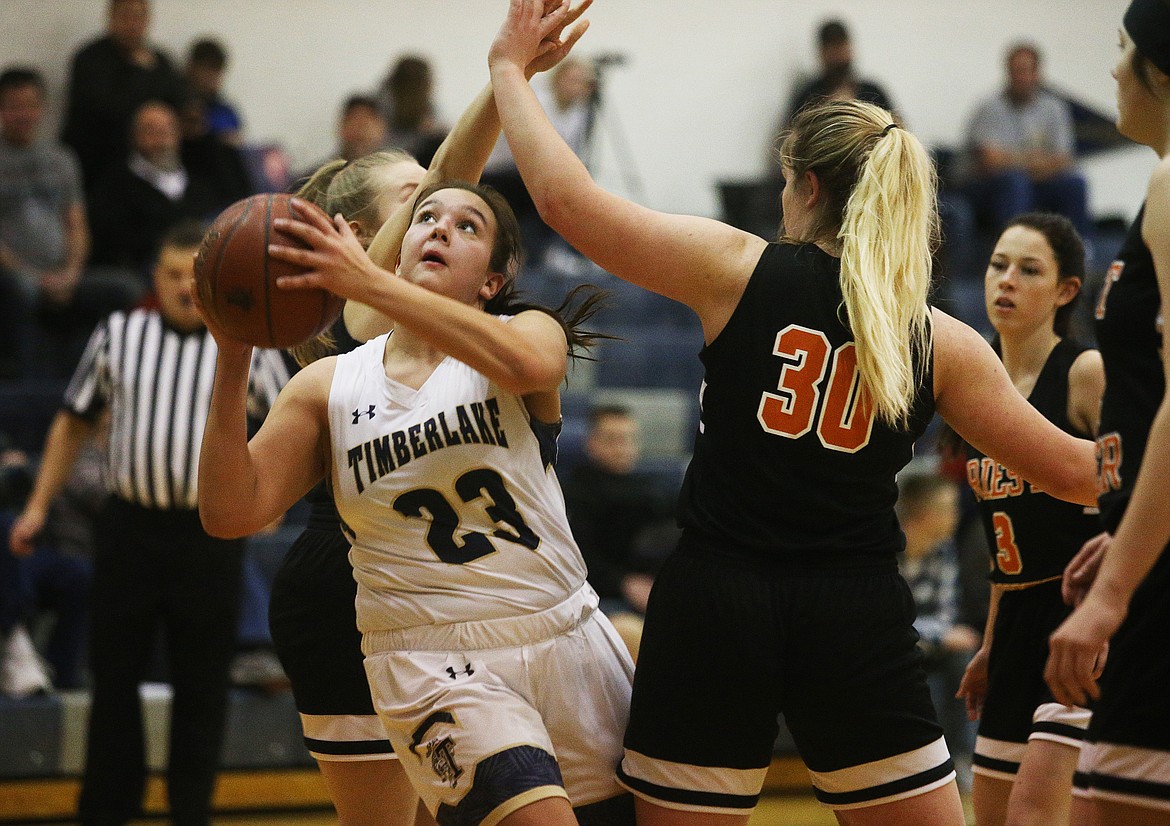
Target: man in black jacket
{"x":108,"y":80}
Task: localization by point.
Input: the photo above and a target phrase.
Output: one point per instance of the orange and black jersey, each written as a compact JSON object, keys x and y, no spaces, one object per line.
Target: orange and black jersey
{"x":1030,"y":534}
{"x":1129,"y":333}
{"x":788,"y":459}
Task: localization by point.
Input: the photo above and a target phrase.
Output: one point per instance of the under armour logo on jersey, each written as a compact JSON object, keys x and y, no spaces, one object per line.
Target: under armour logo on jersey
{"x":357,"y":414}
{"x":467,"y":669}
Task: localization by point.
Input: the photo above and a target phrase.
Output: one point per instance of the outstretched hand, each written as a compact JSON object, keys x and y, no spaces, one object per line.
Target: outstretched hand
{"x":335,"y":261}
{"x":556,"y":48}
{"x":531,"y":34}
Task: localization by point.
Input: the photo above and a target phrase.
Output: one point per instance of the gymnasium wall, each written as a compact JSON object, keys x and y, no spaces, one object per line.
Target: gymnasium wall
{"x":696,"y":102}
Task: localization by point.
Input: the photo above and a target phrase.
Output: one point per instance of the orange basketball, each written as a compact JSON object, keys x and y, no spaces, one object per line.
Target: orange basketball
{"x":236,"y":278}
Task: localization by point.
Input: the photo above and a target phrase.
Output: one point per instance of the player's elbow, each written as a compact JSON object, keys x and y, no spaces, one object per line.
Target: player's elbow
{"x":561,"y":199}
{"x":549,"y":202}
{"x":1075,"y":479}
{"x":532,"y":371}
{"x":521,"y":382}
{"x":220,"y":523}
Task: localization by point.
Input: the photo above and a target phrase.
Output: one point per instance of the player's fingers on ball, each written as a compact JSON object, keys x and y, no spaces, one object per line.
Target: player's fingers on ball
{"x":298,"y":229}
{"x":304,"y":211}
{"x":298,"y":282}
{"x":293,"y":255}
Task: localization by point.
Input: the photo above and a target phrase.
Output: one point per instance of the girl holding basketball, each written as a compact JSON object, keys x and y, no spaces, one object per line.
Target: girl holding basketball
{"x":502,"y":688}
{"x":824,"y":363}
{"x":1126,"y":761}
{"x":1028,"y":744}
{"x":485,"y":651}
{"x":312,"y":605}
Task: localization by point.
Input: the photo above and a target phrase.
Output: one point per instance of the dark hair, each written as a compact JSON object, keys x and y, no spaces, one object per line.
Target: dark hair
{"x":184,"y":235}
{"x":208,"y":52}
{"x":832,"y":33}
{"x":1067,"y":248}
{"x":603,"y":411}
{"x":1069,"y":251}
{"x":407,"y":86}
{"x":1021,"y":48}
{"x":359,"y":102}
{"x":17,"y":76}
{"x":580,"y":305}
{"x":1147,"y":23}
{"x":1141,"y":69}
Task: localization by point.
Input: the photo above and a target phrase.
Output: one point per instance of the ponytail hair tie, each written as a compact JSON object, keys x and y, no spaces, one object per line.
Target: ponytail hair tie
{"x":888,"y":128}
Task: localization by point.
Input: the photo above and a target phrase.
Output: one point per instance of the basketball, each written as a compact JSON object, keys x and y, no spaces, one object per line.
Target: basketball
{"x":236,"y":278}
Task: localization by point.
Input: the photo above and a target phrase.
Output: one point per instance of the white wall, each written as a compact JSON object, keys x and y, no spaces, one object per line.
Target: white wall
{"x":696,"y":103}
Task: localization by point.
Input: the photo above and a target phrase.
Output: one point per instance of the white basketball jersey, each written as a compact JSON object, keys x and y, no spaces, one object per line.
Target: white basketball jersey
{"x":451,"y":511}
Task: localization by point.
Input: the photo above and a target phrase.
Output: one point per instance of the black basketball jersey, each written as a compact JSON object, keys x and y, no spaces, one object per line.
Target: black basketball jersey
{"x":1030,"y":534}
{"x":788,"y":459}
{"x":1129,"y":333}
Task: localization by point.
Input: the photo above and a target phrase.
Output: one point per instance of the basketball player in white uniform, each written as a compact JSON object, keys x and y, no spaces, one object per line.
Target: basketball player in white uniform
{"x":501,"y":686}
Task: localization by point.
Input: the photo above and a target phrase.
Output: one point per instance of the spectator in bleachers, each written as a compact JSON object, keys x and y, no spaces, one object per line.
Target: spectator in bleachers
{"x":360,"y":130}
{"x":1020,"y":146}
{"x":208,"y":159}
{"x":928,"y":513}
{"x":621,"y":520}
{"x":206,"y":65}
{"x":109,"y":79}
{"x":134,"y":205}
{"x":568,"y":99}
{"x":34,"y":581}
{"x":838,"y":79}
{"x":49,"y":303}
{"x":406,"y":102}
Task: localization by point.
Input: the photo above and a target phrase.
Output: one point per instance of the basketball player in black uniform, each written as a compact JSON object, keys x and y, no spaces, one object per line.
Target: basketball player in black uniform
{"x":823,"y":364}
{"x":311,"y":612}
{"x":1126,"y":762}
{"x":1028,"y":744}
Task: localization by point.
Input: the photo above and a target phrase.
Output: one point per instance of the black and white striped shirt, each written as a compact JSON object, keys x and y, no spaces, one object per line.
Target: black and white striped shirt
{"x":156,"y":382}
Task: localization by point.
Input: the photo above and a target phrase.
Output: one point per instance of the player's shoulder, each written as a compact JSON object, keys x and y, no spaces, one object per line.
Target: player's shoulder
{"x":314,"y":380}
{"x":1088,"y":365}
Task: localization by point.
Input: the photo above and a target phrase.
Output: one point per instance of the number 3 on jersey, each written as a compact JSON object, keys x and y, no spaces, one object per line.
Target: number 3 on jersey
{"x":846,"y":417}
{"x":1007,"y":553}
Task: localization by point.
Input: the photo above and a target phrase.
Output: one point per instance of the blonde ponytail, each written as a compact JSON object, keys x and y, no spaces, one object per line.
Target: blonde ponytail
{"x":354,"y":189}
{"x":887,"y":233}
{"x":881,"y":211}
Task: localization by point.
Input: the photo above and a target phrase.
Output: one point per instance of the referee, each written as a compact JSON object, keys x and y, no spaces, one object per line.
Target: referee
{"x":155,"y":569}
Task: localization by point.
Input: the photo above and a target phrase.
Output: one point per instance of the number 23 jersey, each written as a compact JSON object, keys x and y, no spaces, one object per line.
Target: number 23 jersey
{"x":447,"y":496}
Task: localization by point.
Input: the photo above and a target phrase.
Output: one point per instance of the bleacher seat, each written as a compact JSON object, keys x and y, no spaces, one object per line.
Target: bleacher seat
{"x":652,"y":356}
{"x":27,"y":409}
{"x":30,"y":734}
{"x":44,"y":737}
